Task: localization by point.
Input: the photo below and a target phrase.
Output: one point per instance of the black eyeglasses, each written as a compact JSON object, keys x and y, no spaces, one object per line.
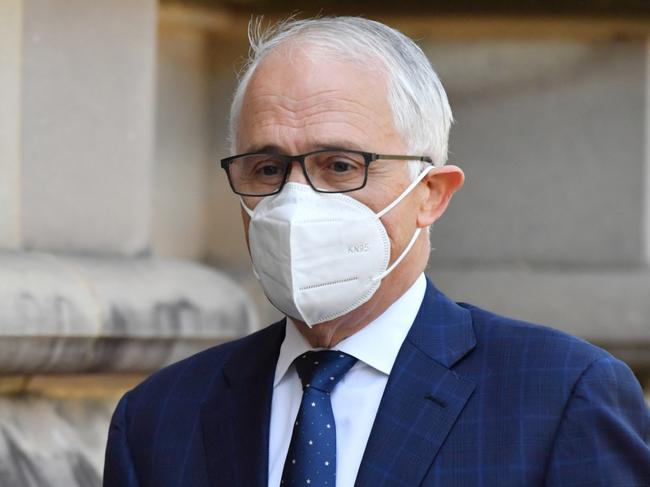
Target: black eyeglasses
{"x":327,"y":171}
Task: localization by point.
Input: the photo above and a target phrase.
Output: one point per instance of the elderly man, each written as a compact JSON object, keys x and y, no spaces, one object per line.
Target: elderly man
{"x":374,"y":378}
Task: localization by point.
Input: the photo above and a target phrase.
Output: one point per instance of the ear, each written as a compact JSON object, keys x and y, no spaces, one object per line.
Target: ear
{"x":440,"y":185}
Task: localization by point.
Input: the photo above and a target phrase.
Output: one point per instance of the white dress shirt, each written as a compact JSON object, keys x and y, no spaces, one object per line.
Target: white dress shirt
{"x":355,"y":398}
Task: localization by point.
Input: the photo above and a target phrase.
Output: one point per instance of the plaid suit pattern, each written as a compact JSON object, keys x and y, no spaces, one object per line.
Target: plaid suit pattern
{"x":474,"y":399}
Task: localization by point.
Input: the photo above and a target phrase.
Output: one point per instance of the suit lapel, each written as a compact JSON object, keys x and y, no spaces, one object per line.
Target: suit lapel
{"x":235,"y":419}
{"x":423,"y":397}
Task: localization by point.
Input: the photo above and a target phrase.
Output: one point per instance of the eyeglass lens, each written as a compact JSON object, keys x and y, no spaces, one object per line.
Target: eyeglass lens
{"x":330,"y":171}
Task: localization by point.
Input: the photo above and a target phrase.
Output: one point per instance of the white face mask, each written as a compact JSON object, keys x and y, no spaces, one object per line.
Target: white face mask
{"x":319,"y":256}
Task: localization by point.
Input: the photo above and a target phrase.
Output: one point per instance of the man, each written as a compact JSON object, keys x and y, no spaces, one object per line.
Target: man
{"x":375,"y":378}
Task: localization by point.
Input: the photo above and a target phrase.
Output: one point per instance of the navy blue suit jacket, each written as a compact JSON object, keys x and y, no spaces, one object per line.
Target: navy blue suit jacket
{"x":473,"y":399}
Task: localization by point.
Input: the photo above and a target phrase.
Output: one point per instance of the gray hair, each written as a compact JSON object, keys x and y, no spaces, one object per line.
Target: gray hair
{"x":421,"y":111}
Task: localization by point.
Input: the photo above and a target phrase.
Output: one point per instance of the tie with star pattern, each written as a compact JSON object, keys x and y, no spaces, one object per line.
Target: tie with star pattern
{"x":311,"y":460}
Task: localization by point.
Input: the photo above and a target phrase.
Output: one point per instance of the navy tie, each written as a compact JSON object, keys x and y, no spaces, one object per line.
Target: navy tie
{"x":311,"y":460}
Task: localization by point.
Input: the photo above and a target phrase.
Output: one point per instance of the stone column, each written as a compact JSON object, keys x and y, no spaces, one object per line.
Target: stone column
{"x":10,"y":77}
{"x":647,"y":155}
{"x":87,"y":125}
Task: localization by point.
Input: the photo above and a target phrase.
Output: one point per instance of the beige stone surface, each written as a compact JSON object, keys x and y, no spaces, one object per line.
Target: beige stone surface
{"x":183,"y":156}
{"x":551,"y":135}
{"x":647,"y":156}
{"x":72,"y":314}
{"x":10,"y":90}
{"x":195,"y":214}
{"x":87,"y":125}
{"x":52,"y":443}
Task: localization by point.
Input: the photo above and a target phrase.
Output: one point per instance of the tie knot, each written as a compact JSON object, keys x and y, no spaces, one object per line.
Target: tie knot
{"x":324,"y":369}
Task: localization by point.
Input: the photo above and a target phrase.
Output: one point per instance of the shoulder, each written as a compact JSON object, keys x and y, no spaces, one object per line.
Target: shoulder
{"x":576,"y":407}
{"x":532,"y":342}
{"x":514,"y":355}
{"x":550,"y":367}
{"x":192,"y":377}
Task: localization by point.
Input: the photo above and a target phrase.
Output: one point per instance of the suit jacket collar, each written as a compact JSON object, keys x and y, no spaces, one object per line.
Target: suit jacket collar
{"x":423,"y":397}
{"x":257,"y":357}
{"x":442,"y":329}
{"x":235,"y":418}
{"x":422,"y":400}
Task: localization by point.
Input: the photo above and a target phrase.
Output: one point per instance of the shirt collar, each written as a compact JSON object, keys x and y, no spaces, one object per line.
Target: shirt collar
{"x":376,"y":344}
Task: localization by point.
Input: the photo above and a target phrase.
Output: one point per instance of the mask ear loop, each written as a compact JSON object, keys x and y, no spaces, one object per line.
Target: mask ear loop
{"x":400,"y":258}
{"x":405,"y":193}
{"x":250,"y":213}
{"x":416,"y":234}
{"x":246,"y":208}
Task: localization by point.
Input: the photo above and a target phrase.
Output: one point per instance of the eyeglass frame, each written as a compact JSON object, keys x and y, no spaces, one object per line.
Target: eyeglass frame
{"x":368,"y":157}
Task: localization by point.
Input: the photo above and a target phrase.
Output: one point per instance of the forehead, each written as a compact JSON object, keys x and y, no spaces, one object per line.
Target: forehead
{"x":300,"y":99}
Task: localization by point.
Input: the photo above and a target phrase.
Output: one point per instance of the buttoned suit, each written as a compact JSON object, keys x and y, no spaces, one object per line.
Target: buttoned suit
{"x":473,"y":399}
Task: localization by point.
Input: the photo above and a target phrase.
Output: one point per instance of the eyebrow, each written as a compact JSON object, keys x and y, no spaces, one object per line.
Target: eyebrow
{"x":341,"y":144}
{"x":329,"y":145}
{"x":269,"y":148}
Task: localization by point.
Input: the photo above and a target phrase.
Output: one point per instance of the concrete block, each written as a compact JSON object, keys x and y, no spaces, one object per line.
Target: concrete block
{"x":65,"y":314}
{"x":10,"y":77}
{"x":551,"y":136}
{"x":87,"y":125}
{"x":185,"y":162}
